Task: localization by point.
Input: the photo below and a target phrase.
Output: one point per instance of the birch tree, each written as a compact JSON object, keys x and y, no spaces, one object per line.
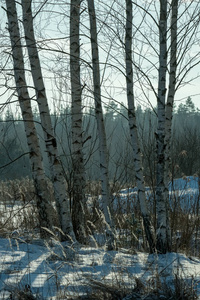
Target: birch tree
{"x":134,"y":132}
{"x":44,"y":207}
{"x":172,"y":84}
{"x":163,"y":242}
{"x":170,"y":105}
{"x":58,"y":179}
{"x":180,"y":44}
{"x":78,"y":206}
{"x":103,"y":152}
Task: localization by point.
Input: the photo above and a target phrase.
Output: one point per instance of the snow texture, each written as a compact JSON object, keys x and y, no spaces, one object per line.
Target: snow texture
{"x":53,"y":269}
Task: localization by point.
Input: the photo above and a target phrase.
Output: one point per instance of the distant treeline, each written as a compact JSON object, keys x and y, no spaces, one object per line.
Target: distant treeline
{"x":185,"y":150}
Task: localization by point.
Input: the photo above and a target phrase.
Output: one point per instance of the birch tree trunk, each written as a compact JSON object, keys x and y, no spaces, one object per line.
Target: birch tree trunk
{"x":134,"y":132}
{"x":163,"y":239}
{"x":170,"y":99}
{"x":58,"y":179}
{"x":103,"y":152}
{"x":79,"y":201}
{"x":172,"y":85}
{"x":44,"y":207}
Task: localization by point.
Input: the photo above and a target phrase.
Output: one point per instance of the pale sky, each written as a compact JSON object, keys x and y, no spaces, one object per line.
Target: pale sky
{"x":53,"y":22}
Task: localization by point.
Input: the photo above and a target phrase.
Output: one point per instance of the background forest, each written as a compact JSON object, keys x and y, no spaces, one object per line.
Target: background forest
{"x":15,"y":164}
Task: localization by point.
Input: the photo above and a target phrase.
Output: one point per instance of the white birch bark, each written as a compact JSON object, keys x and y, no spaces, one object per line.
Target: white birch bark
{"x":44,"y":207}
{"x":103,"y":152}
{"x":172,"y":85}
{"x":59,"y":182}
{"x":79,"y":202}
{"x":170,"y":99}
{"x":134,"y":132}
{"x":163,"y":242}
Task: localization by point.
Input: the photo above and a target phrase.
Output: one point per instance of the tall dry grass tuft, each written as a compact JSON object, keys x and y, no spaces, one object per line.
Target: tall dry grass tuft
{"x":185,"y":221}
{"x":154,"y":288}
{"x":18,"y":212}
{"x":18,"y":208}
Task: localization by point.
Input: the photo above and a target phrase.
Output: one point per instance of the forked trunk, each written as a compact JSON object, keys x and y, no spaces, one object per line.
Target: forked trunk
{"x":79,"y":201}
{"x":149,"y":231}
{"x":170,"y":99}
{"x":163,"y":238}
{"x":58,"y":179}
{"x":103,"y":152}
{"x":43,"y":204}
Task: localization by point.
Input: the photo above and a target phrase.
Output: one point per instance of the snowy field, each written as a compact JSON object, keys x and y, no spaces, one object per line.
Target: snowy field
{"x":54,"y":270}
{"x":184,"y":191}
{"x":57,"y":271}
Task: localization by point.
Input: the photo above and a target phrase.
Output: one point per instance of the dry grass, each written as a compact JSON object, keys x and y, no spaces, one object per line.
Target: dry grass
{"x":151,"y":289}
{"x":18,"y":212}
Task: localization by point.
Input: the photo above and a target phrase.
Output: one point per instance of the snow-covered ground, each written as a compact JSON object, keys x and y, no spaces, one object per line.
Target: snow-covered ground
{"x":56,"y":269}
{"x":184,"y":191}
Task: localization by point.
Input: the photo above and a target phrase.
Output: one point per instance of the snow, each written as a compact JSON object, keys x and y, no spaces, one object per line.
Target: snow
{"x":29,"y":263}
{"x":184,"y":191}
{"x":54,"y":268}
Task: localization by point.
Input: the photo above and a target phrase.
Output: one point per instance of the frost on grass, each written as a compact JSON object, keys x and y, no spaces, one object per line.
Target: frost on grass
{"x":92,"y":271}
